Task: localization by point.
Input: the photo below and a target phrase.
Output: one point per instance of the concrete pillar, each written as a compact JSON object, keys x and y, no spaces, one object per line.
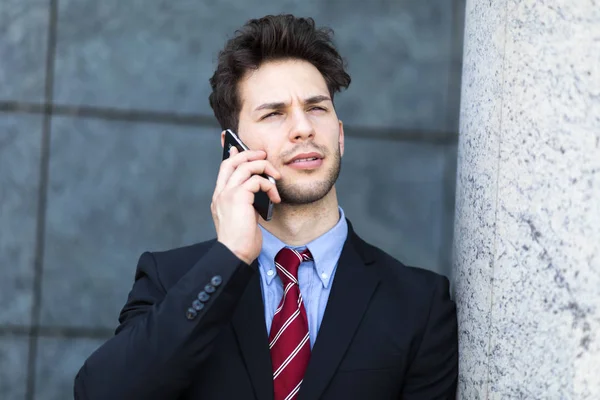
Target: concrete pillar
{"x":527,"y":230}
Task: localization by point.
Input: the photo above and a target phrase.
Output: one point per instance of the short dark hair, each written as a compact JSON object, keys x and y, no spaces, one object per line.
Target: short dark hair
{"x":272,"y":38}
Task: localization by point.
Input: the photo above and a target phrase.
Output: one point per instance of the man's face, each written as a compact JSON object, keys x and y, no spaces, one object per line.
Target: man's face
{"x":287,"y":112}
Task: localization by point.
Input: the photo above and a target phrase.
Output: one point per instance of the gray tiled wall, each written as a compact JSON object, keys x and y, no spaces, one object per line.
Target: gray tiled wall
{"x":20,"y":140}
{"x":398,"y":53}
{"x":108,"y":148}
{"x":13,"y":364}
{"x":23,"y":43}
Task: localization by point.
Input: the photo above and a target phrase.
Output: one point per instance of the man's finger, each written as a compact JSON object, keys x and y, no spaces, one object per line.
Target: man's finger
{"x":257,"y":183}
{"x":246,"y":170}
{"x":235,"y":159}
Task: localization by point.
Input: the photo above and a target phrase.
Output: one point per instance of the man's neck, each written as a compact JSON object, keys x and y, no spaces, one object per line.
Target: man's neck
{"x":298,"y":225}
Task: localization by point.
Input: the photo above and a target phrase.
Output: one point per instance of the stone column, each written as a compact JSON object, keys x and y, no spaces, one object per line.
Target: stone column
{"x":527,"y":230}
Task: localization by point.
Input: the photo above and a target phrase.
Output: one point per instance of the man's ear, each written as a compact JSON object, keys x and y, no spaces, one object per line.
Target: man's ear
{"x":223,"y":139}
{"x":341,"y":137}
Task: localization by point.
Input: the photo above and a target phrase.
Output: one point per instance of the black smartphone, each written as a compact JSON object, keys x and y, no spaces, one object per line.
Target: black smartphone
{"x":262,"y":203}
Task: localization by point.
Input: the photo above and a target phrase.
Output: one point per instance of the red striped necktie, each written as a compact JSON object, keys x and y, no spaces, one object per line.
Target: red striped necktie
{"x":289,"y":340}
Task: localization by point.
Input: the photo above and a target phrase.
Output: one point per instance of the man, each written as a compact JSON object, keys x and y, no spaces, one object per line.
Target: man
{"x":298,"y":307}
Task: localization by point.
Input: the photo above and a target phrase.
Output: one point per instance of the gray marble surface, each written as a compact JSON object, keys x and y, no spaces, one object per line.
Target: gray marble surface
{"x":528,"y":202}
{"x":13,"y":367}
{"x":20,"y":142}
{"x":477,"y":170}
{"x":58,"y":361}
{"x":23,"y":42}
{"x":117,"y":189}
{"x":159,"y":54}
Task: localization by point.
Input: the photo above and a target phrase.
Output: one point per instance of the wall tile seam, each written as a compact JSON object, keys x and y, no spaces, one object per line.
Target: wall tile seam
{"x":42,"y":202}
{"x":412,"y":135}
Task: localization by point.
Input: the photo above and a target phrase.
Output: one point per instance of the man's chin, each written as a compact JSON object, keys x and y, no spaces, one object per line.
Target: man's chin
{"x":303,"y":195}
{"x":300,"y":172}
{"x":302,"y":187}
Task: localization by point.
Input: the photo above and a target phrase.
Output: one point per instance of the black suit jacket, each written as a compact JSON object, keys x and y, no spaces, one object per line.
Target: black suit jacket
{"x":388,"y":332}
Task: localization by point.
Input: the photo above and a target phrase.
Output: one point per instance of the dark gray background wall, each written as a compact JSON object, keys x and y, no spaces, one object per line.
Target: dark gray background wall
{"x":108,"y":148}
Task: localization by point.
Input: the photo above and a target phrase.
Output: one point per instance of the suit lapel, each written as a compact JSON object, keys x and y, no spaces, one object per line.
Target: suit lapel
{"x":249,"y":326}
{"x":353,"y":286}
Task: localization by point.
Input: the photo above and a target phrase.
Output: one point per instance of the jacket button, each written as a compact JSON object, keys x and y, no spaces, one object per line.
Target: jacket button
{"x":203,"y":296}
{"x":209,"y":288}
{"x":216,"y":280}
{"x":191,"y":313}
{"x":197,"y":305}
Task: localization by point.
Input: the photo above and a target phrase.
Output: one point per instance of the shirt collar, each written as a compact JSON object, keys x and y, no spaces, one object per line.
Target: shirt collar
{"x":325,"y":249}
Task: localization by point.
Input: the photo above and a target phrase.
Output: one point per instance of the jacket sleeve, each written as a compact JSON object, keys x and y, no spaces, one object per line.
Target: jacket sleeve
{"x":433,"y":373}
{"x":160,"y":342}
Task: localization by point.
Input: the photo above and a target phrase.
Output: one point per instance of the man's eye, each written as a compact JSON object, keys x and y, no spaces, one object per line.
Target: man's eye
{"x":271,"y":115}
{"x":316,"y":108}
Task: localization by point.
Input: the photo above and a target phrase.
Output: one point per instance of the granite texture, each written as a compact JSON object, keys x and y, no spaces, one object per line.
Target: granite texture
{"x":20,"y":141}
{"x":13,"y":367}
{"x":58,"y":361}
{"x":118,"y":189}
{"x":475,"y":216}
{"x":528,"y":202}
{"x":159,"y":54}
{"x":23,"y":37}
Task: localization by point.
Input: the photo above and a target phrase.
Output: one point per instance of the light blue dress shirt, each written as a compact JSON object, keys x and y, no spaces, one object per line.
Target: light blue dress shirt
{"x":315,"y":277}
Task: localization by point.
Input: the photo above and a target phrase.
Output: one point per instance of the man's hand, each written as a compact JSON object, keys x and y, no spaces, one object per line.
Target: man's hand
{"x":235,"y":218}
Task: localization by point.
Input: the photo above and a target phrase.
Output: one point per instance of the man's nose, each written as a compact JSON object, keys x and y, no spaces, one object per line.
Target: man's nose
{"x":302,"y":128}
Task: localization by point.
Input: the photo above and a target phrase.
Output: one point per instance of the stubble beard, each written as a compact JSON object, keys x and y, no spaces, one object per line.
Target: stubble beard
{"x":293,"y":194}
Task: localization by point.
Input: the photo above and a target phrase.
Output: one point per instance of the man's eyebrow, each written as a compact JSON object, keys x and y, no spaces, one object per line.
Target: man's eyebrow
{"x":316,"y":99}
{"x":271,"y":106}
{"x":279,"y":105}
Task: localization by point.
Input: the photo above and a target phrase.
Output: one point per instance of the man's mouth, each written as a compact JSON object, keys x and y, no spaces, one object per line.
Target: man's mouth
{"x":305,"y":157}
{"x":306,"y":161}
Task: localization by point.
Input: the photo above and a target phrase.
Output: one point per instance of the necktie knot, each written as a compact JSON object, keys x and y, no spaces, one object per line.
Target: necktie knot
{"x":288,"y":261}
